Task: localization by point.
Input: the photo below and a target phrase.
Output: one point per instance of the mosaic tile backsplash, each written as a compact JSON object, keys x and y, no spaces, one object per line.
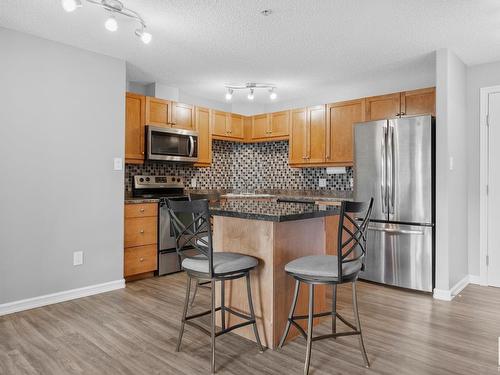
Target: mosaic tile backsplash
{"x":246,"y":167}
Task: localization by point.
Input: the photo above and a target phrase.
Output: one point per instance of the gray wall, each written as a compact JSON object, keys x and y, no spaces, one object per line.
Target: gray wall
{"x":478,"y":76}
{"x":451,"y":185}
{"x":61,"y":124}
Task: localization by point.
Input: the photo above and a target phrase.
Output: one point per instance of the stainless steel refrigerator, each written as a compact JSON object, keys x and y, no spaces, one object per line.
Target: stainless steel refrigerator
{"x":394,"y":164}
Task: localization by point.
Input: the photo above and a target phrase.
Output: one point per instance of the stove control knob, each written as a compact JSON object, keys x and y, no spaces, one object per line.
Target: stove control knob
{"x":173,"y":179}
{"x":178,"y":180}
{"x":147,"y":179}
{"x":141,"y":179}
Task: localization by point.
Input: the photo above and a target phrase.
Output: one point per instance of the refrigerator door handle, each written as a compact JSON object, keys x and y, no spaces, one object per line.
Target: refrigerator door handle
{"x":383,"y":187}
{"x":390,"y":168}
{"x":396,"y":231}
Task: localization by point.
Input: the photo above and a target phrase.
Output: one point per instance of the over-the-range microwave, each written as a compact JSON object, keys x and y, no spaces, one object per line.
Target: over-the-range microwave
{"x":171,"y":144}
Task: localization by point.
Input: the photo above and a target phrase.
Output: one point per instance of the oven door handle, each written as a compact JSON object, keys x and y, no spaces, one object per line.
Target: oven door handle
{"x":191,"y":146}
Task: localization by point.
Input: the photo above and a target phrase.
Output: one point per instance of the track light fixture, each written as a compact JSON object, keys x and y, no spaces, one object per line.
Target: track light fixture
{"x":252,"y":86}
{"x":113,"y":7}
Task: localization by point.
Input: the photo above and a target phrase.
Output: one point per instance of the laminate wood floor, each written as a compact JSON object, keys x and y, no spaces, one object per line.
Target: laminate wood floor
{"x":134,"y":331}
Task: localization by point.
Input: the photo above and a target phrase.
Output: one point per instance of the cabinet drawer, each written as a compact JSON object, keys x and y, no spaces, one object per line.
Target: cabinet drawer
{"x":141,"y":210}
{"x":140,"y":231}
{"x":140,"y":259}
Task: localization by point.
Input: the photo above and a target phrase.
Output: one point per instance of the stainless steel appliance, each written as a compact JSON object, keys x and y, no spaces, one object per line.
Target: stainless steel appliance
{"x":162,"y":187}
{"x":171,"y":144}
{"x":394,"y":164}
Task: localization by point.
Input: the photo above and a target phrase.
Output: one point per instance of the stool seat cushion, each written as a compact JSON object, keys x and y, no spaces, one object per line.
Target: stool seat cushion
{"x":223,"y":263}
{"x":323,"y":266}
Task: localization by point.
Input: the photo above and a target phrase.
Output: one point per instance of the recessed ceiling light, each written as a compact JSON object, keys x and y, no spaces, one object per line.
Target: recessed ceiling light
{"x":266,"y":12}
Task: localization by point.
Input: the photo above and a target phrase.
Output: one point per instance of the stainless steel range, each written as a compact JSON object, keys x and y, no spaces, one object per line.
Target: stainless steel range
{"x":162,"y":187}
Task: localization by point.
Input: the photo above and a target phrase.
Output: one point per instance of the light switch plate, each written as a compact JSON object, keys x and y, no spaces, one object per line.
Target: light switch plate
{"x":78,"y":258}
{"x":336,"y":170}
{"x":117,"y":164}
{"x":451,"y":163}
{"x":322,"y":182}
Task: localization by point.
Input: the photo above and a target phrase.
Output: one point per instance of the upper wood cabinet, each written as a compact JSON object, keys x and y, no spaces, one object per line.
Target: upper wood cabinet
{"x":408,"y":103}
{"x":228,"y":126}
{"x":383,"y":107}
{"x":221,"y":121}
{"x":236,"y":128}
{"x":158,"y":112}
{"x":339,"y":131}
{"x":418,"y":102}
{"x":307,"y":136}
{"x":182,"y":116}
{"x":280,"y":124}
{"x":270,"y":126}
{"x":203,"y":116}
{"x":260,"y":126}
{"x":135,"y":107}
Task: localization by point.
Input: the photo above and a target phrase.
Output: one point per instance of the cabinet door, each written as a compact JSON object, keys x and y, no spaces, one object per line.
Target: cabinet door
{"x":158,"y":112}
{"x":220,"y":123}
{"x":316,"y":134}
{"x":418,"y":102}
{"x":340,"y":120}
{"x":182,"y":116}
{"x":298,"y":139}
{"x":383,"y":107}
{"x":280,"y":122}
{"x":260,"y":126}
{"x":236,"y":129}
{"x":134,"y":128}
{"x":204,"y":137}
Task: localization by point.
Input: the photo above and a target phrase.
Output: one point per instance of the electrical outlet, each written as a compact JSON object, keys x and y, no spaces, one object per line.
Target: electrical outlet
{"x":78,"y":258}
{"x":193,"y":182}
{"x":322,"y":182}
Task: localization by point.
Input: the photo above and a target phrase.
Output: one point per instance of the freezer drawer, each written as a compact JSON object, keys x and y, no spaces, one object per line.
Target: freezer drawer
{"x":399,"y":255}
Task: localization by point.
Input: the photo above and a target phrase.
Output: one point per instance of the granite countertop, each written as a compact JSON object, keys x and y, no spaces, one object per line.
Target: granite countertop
{"x":270,"y":210}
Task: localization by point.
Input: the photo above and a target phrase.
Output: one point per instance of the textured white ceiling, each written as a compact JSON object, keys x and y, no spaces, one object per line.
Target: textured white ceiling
{"x":304,"y":45}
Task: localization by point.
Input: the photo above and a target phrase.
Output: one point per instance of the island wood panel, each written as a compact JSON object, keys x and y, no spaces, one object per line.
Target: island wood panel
{"x":274,"y":244}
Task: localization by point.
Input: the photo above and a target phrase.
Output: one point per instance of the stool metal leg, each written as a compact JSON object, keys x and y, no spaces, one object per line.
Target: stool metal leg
{"x":184,"y":313}
{"x":252,"y":313}
{"x":212,"y":328}
{"x":309,"y":329}
{"x":334,"y":309}
{"x":290,"y":315}
{"x":222,"y":305}
{"x":194,"y":293}
{"x":358,"y":324}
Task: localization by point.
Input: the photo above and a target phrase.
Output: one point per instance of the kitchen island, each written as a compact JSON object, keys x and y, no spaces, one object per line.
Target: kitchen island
{"x":276,"y":233}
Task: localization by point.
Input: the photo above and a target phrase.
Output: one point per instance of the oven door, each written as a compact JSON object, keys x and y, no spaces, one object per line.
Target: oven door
{"x":171,"y":144}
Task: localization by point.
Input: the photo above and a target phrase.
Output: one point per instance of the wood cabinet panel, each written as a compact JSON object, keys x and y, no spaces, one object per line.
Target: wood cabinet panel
{"x":183,"y":116}
{"x":340,"y":138}
{"x":236,"y":128}
{"x":418,"y":102}
{"x":141,"y":210}
{"x":220,"y":123}
{"x":140,"y":259}
{"x":140,"y":231}
{"x":260,"y":126}
{"x":317,"y":131}
{"x":204,"y":136}
{"x":280,"y":123}
{"x":158,"y":112}
{"x":298,"y":128}
{"x":135,"y":107}
{"x":383,"y":107}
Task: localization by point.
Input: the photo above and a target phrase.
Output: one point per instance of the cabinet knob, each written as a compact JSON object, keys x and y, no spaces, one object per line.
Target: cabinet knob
{"x":142,"y":209}
{"x":403,"y":113}
{"x":141,"y":231}
{"x":141,"y":259}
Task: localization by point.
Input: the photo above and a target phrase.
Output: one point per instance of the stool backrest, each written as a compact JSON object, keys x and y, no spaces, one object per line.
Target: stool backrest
{"x":195,"y":233}
{"x":352,"y":231}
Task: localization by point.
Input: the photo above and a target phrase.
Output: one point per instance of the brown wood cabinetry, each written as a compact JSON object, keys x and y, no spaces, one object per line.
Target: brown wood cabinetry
{"x":270,"y":126}
{"x":236,"y":129}
{"x":408,"y":103}
{"x":228,"y":126}
{"x":339,"y":131}
{"x":183,"y":116}
{"x":158,"y":112}
{"x":141,"y":236}
{"x":202,"y":116}
{"x":260,"y":126}
{"x":135,"y":107}
{"x":280,"y":124}
{"x":307,"y":140}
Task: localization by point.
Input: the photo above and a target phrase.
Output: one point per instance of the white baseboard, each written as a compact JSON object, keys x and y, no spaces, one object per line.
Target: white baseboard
{"x":448,"y":295}
{"x":66,"y":295}
{"x":475,"y":279}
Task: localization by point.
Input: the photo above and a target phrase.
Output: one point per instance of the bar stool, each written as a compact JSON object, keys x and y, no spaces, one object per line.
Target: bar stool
{"x":333,"y":270}
{"x":211,"y":266}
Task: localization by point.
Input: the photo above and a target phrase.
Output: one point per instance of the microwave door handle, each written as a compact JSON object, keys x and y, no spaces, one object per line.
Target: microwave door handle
{"x":191,"y":146}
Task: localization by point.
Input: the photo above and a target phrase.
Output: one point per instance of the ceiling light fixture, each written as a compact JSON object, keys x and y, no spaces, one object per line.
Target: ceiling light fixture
{"x":252,"y":86}
{"x":114,"y":7}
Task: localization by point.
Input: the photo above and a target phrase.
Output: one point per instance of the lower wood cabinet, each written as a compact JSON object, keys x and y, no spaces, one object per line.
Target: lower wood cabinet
{"x":141,"y":239}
